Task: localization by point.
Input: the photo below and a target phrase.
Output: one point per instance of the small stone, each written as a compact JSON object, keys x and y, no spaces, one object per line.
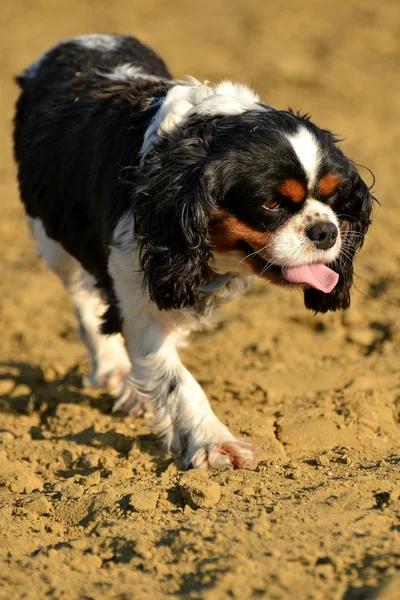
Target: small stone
{"x":107,"y":462}
{"x":86,"y":563}
{"x":32,"y":516}
{"x":56,"y":528}
{"x":6,"y":386}
{"x":72,"y":491}
{"x":93,"y":562}
{"x":323,"y":460}
{"x":6,"y":437}
{"x":143,"y":501}
{"x":170,"y":471}
{"x":80,"y":544}
{"x":198,"y":491}
{"x":68,"y":457}
{"x":25,"y":483}
{"x":40,"y":506}
{"x":247,"y":492}
{"x":90,"y":461}
{"x":52,"y":372}
{"x":93,"y":479}
{"x":21,"y":390}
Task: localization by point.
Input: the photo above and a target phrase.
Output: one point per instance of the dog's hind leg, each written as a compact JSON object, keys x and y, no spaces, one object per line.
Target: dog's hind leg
{"x":110,"y":362}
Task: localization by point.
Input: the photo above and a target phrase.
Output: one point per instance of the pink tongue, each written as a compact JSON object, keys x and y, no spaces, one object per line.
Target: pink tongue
{"x":317,"y":276}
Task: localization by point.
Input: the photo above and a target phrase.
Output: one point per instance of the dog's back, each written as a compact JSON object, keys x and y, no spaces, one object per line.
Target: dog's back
{"x":88,"y":54}
{"x":76,"y":99}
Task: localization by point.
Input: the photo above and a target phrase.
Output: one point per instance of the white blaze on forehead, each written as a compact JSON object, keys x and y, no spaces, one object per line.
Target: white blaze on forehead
{"x":190,"y":98}
{"x":306,"y":147}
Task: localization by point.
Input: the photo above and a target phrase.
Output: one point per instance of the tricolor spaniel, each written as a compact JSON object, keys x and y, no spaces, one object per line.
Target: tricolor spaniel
{"x":156,"y":201}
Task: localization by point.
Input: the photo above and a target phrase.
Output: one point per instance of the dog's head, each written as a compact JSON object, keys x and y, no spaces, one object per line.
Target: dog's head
{"x":256,"y":192}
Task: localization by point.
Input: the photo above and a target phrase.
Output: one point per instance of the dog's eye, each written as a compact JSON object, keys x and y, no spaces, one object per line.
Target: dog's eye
{"x":272,"y":205}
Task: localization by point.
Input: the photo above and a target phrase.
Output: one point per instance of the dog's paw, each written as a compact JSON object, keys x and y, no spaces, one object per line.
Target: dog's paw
{"x":129,"y":402}
{"x":232,"y":454}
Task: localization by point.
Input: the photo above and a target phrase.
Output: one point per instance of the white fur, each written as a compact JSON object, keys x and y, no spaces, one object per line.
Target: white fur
{"x":183,"y":416}
{"x":307,"y":150}
{"x":110,"y":363}
{"x":186,"y":99}
{"x":290,"y":245}
{"x":128,"y":71}
{"x":97,"y":41}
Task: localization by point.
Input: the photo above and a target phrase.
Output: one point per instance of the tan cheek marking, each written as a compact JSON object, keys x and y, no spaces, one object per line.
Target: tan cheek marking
{"x":227,"y":232}
{"x":293,"y":190}
{"x":328,"y":184}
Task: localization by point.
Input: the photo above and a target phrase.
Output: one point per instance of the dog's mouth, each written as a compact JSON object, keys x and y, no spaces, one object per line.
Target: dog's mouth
{"x":315,"y":275}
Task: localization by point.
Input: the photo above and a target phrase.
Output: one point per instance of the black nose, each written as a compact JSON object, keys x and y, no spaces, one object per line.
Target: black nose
{"x":324,"y":234}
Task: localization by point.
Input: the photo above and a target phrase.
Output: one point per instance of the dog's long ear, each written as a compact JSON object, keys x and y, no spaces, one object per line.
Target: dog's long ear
{"x":353,"y":208}
{"x":172,"y":206}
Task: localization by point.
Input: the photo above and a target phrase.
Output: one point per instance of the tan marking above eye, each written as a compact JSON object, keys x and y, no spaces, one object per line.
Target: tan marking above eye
{"x":294,"y":190}
{"x":329,"y":184}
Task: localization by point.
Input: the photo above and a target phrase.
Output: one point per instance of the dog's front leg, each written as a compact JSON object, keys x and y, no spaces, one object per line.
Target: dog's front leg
{"x":183,"y":416}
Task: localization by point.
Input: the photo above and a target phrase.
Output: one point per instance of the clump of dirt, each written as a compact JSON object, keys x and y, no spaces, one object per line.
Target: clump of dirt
{"x":90,"y":507}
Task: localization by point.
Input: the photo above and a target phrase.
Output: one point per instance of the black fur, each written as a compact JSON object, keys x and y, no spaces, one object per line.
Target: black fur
{"x":172,"y":207}
{"x":77,"y":139}
{"x":75,"y":134}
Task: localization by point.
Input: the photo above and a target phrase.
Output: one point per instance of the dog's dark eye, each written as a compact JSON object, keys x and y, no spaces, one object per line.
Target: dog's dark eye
{"x":272,"y":205}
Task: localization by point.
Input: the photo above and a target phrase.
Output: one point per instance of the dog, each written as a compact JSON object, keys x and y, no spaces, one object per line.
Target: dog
{"x":156,"y":201}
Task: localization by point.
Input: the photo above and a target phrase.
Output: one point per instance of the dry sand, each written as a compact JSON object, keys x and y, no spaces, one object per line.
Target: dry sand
{"x":90,"y":508}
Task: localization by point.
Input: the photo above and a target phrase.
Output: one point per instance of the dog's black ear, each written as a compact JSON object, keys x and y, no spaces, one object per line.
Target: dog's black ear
{"x":172,"y":206}
{"x":353,"y":208}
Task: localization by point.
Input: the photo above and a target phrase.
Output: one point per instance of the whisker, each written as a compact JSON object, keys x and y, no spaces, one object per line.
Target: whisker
{"x":255,"y":253}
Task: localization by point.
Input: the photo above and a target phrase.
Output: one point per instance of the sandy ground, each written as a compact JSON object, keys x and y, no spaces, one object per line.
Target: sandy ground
{"x":90,"y":508}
